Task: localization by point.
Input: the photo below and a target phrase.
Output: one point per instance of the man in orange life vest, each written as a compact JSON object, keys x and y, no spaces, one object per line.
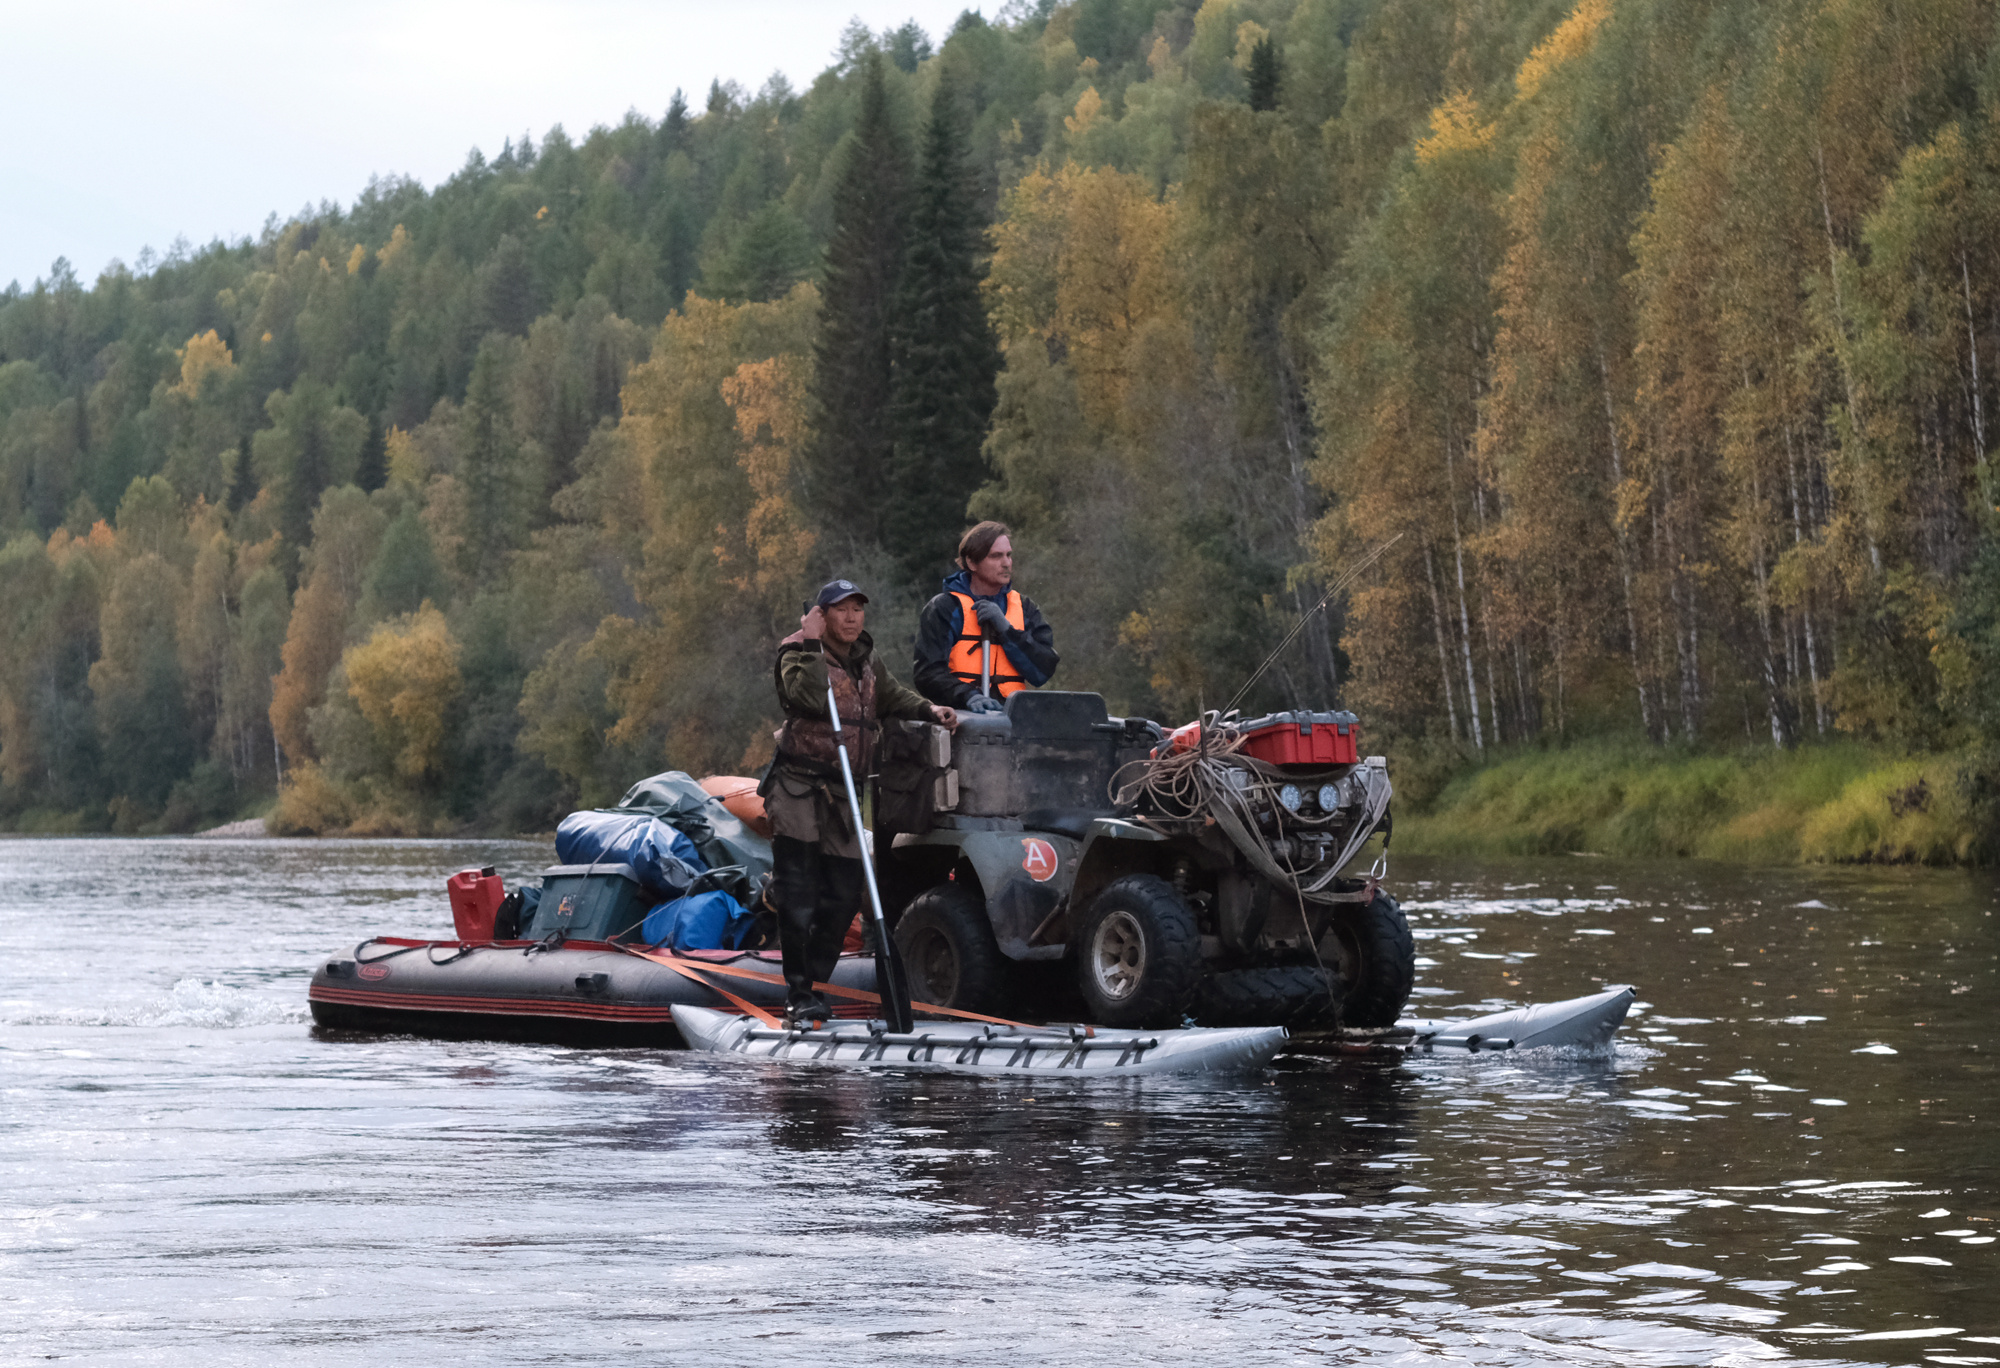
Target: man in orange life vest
{"x":981,"y":627}
{"x":815,"y":854}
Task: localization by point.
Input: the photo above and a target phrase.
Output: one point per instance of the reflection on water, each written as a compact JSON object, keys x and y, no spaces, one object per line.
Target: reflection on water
{"x":1788,"y":1156}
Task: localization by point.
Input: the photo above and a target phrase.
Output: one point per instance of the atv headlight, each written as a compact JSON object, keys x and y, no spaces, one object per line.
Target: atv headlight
{"x":1329,"y":797}
{"x":1291,"y":797}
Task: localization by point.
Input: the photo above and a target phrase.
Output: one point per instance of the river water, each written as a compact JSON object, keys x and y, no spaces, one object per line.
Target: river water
{"x":1790,"y":1155}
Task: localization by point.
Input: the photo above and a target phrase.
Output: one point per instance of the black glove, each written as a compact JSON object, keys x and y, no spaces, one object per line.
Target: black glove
{"x":992,"y":618}
{"x":980,"y":703}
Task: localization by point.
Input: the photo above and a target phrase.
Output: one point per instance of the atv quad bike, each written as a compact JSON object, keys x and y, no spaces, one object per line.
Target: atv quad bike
{"x":1200,"y":874}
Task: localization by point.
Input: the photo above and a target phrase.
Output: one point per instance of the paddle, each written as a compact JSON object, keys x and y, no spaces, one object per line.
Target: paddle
{"x":890,"y":983}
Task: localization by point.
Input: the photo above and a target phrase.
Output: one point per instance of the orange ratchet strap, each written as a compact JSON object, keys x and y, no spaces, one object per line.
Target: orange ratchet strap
{"x":693,"y":970}
{"x":681,"y":967}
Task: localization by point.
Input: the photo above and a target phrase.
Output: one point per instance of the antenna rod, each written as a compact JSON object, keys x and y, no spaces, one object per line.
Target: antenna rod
{"x":1347,"y":577}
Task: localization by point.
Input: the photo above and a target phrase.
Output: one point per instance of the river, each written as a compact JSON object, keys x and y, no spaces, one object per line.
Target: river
{"x":1789,"y":1156}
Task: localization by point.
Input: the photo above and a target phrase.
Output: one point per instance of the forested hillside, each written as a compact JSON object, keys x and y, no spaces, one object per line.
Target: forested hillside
{"x":1662,"y":331}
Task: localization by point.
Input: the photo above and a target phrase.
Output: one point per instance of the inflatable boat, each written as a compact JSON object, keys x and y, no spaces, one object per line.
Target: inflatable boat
{"x":600,"y":949}
{"x":578,"y":992}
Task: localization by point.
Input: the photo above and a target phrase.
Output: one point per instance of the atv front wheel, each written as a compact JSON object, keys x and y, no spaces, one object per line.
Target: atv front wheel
{"x":1377,"y":961}
{"x":949,"y":950}
{"x":1138,"y":954}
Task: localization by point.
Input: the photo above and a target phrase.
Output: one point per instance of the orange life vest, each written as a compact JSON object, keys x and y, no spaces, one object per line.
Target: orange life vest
{"x":963,"y":661}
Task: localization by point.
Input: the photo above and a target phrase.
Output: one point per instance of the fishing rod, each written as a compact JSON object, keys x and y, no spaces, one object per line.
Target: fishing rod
{"x":1347,"y":577}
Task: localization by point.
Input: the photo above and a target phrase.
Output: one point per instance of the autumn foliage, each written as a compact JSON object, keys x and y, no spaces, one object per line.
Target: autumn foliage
{"x":1660,"y":333}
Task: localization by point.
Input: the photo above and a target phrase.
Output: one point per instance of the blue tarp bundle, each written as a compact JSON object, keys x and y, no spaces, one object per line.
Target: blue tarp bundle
{"x":665,"y":861}
{"x":705,"y":921}
{"x":672,"y":834}
{"x":721,"y":837}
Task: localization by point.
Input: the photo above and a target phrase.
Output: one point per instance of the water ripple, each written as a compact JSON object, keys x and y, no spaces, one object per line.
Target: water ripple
{"x":193,"y":1175}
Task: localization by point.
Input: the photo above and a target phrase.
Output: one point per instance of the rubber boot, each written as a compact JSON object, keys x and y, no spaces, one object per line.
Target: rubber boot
{"x":807,"y":1009}
{"x":795,"y":892}
{"x":839,"y":899}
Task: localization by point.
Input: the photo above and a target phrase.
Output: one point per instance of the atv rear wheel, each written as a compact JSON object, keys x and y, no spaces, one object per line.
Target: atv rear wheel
{"x":1138,"y":954}
{"x":1377,"y":962}
{"x":949,"y":951}
{"x":1274,"y":995}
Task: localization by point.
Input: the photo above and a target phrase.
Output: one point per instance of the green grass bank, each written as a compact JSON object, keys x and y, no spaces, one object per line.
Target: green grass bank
{"x":1841,"y":802}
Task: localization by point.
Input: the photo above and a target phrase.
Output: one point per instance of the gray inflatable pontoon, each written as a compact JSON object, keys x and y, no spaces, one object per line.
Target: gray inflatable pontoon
{"x":970,"y":1047}
{"x":1584,"y":1023}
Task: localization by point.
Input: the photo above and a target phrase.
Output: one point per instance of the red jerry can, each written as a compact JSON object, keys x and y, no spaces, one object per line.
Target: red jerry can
{"x":476,"y":895}
{"x":1179,"y":739}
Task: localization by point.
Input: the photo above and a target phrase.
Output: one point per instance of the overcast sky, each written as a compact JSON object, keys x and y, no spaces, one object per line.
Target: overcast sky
{"x":131,"y":122}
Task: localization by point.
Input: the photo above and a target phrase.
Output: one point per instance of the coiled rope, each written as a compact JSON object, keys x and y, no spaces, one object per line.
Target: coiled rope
{"x":1214,"y":779}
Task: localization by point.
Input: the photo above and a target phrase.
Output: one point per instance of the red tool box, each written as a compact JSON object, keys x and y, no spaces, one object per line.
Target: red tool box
{"x":1318,"y":739}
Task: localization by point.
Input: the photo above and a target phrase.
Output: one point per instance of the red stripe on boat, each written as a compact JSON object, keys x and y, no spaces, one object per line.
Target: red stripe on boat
{"x":488,"y":1006}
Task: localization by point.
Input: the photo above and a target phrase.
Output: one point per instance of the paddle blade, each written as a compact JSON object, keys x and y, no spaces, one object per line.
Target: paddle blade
{"x":891,"y":984}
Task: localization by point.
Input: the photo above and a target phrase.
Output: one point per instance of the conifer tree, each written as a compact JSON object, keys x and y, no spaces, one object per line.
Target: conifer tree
{"x":674,"y":128}
{"x":851,"y":452}
{"x":772,"y":250}
{"x":671,"y":226}
{"x":490,"y":465}
{"x":313,"y":444}
{"x":404,"y":572}
{"x":909,"y":46}
{"x":945,"y":355}
{"x":677,"y":236}
{"x":373,"y":470}
{"x":1265,"y":75}
{"x":506,"y":288}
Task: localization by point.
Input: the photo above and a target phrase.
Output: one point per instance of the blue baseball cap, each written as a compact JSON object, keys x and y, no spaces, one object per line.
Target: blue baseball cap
{"x":835,"y":591}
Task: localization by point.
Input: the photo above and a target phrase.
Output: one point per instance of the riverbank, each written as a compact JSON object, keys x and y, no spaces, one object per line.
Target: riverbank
{"x":1842,"y":802}
{"x":1838,"y":803}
